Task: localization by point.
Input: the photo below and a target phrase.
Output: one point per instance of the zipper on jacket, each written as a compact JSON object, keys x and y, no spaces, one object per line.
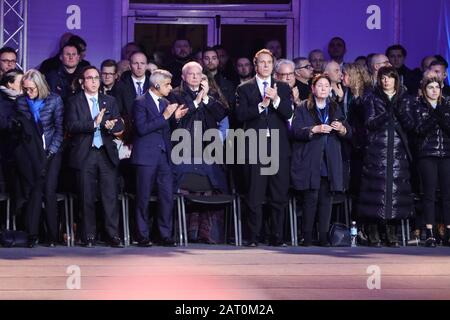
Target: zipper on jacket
{"x":389,"y":168}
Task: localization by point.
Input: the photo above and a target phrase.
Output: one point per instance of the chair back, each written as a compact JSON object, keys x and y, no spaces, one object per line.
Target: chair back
{"x":195,"y":183}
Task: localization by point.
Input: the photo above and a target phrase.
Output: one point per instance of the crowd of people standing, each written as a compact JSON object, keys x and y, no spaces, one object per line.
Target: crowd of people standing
{"x":372,"y":129}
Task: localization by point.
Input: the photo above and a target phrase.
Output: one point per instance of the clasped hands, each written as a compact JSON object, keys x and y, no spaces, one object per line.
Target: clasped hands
{"x":325,"y":128}
{"x":271,"y":95}
{"x":109,"y":124}
{"x":175,"y":109}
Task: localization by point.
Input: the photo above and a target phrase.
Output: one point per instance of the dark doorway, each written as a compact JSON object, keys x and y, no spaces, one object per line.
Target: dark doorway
{"x":157,"y":39}
{"x":246,"y":40}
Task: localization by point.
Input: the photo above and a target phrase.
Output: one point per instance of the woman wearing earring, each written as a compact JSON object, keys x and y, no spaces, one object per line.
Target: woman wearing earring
{"x":432,"y":119}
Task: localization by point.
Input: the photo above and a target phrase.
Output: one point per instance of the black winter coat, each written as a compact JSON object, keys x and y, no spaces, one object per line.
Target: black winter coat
{"x":385,"y":191}
{"x":432,"y":127}
{"x":308,"y":149}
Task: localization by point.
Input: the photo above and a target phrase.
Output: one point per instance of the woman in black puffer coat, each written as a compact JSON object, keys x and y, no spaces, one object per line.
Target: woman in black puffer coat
{"x":385,"y":194}
{"x":432,"y":119}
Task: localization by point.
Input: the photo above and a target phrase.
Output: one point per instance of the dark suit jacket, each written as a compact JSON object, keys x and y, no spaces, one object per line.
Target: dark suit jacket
{"x":80,"y":126}
{"x":125,"y":93}
{"x":152,"y":132}
{"x":248,"y":97}
{"x":308,"y":150}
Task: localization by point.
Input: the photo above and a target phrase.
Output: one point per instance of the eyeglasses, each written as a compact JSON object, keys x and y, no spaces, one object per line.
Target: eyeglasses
{"x":106,"y":74}
{"x":308,"y":66}
{"x":92,"y":79}
{"x":290,"y":74}
{"x":29,"y":89}
{"x":8,"y":61}
{"x":70,"y":55}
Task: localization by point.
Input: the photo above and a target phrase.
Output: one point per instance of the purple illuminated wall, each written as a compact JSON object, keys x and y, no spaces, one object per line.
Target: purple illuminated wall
{"x":322,"y":20}
{"x":98,"y":23}
{"x":425,"y":28}
{"x":422,"y":26}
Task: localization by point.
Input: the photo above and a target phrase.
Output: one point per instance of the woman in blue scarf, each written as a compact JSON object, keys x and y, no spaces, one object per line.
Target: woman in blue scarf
{"x":44,"y":110}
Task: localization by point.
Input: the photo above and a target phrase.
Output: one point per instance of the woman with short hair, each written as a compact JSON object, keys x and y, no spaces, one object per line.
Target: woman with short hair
{"x":38,"y":154}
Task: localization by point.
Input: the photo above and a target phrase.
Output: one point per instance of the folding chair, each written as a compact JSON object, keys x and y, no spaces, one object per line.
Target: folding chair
{"x":198,"y":183}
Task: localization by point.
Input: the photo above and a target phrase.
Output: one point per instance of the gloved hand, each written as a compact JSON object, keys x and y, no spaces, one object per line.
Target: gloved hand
{"x":46,"y":165}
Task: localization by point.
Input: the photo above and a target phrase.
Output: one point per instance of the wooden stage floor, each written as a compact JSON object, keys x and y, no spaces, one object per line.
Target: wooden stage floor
{"x":224,"y":272}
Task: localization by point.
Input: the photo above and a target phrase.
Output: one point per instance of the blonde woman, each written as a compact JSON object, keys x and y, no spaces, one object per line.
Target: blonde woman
{"x":40,"y":114}
{"x":357,"y":81}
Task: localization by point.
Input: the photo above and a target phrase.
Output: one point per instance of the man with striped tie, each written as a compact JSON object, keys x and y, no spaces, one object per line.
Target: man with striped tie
{"x":93,"y":121}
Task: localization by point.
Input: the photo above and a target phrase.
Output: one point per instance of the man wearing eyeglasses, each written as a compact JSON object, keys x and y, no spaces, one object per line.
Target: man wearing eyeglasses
{"x":93,"y":120}
{"x":303,"y":76}
{"x":8,"y":60}
{"x":109,"y":76}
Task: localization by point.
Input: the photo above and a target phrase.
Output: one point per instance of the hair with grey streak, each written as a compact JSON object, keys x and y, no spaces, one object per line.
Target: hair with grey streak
{"x":40,"y":82}
{"x":159,"y":75}
{"x":280,"y":62}
{"x":298,"y":61}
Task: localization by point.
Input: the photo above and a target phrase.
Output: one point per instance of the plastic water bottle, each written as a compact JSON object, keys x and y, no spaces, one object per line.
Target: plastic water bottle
{"x":353,"y":233}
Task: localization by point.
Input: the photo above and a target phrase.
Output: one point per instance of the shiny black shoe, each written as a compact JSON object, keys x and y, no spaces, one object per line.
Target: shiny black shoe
{"x":324,"y":244}
{"x":90,"y":243}
{"x":167,"y":242}
{"x":115,"y":242}
{"x":33,"y":242}
{"x":279,"y":244}
{"x":393,"y":244}
{"x":51,"y":244}
{"x":306,"y":244}
{"x":430,"y":242}
{"x":144,"y":244}
{"x":376,"y":244}
{"x":252,"y":244}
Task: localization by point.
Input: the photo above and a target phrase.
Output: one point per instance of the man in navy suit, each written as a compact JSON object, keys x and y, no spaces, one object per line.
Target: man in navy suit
{"x":151,"y":156}
{"x":93,"y":121}
{"x":264,"y":104}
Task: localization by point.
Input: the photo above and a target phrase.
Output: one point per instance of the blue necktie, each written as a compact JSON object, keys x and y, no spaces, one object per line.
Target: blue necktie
{"x":139,"y":88}
{"x":161,"y":105}
{"x":98,"y":142}
{"x":264,"y":94}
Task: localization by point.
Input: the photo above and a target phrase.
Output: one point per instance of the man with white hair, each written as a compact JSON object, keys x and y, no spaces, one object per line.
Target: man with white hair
{"x":151,"y":156}
{"x":206,"y":110}
{"x":333,"y":71}
{"x":285,"y":72}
